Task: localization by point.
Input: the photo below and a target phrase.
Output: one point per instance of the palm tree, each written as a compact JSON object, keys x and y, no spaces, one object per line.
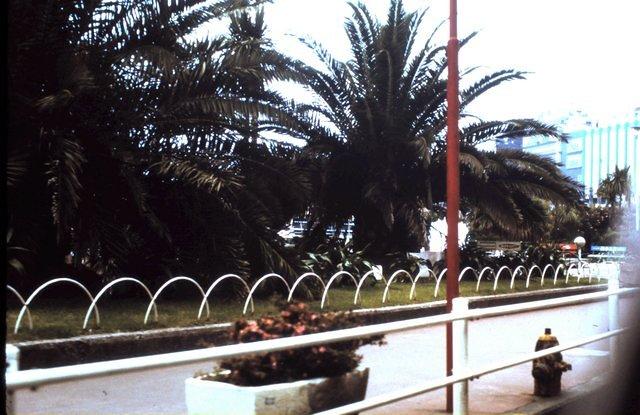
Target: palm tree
{"x":616,"y":187}
{"x":115,"y":107}
{"x":380,"y":141}
{"x":243,"y":186}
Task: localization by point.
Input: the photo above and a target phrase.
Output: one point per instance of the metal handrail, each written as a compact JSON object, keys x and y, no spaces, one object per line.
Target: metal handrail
{"x":39,"y":377}
{"x":432,"y":385}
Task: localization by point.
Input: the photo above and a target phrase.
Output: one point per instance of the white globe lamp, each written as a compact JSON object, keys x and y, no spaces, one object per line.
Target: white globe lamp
{"x":580,"y":243}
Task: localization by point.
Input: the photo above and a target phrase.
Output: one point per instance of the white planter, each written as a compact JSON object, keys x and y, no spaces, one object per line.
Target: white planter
{"x":205,"y":397}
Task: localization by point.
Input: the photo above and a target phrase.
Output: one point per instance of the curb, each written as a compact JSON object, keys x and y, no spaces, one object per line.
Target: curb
{"x":395,"y":313}
{"x":542,"y":406}
{"x":100,"y":347}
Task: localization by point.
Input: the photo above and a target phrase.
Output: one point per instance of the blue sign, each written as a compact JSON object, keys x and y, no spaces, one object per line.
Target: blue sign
{"x":604,"y":248}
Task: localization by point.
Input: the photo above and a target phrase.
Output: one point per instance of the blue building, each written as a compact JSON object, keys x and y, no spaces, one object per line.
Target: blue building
{"x":593,"y":149}
{"x":508,"y":143}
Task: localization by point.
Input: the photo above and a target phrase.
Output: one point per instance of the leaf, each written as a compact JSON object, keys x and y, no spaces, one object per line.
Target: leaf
{"x":17,"y":265}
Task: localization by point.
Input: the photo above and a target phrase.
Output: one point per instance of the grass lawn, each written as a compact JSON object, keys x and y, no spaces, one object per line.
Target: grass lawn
{"x":56,"y":319}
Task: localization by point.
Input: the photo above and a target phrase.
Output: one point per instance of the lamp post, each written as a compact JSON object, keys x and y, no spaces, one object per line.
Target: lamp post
{"x":580,"y":243}
{"x":453,"y":182}
{"x":636,"y":179}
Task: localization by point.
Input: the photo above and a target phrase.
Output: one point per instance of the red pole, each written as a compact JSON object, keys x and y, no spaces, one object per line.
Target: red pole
{"x":453,"y":182}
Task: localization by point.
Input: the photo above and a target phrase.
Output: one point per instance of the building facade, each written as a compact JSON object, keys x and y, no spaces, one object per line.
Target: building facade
{"x":593,"y":149}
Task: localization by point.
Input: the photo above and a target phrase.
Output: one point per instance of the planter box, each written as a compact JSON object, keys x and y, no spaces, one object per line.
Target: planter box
{"x":205,"y":397}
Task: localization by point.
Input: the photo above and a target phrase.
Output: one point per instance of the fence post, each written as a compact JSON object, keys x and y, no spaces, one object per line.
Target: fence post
{"x":614,"y":324}
{"x":460,"y":330}
{"x":12,"y":357}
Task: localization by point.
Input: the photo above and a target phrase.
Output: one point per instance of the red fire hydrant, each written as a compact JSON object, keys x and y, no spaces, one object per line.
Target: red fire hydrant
{"x":547,"y":370}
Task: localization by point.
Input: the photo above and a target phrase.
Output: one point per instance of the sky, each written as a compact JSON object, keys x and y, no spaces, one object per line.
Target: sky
{"x":582,"y":54}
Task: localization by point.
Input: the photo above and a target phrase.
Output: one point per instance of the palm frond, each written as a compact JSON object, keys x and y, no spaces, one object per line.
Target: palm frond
{"x":213,"y":178}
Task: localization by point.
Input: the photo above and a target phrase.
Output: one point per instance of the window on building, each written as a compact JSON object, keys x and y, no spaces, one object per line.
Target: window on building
{"x":575,"y":174}
{"x":545,"y":150}
{"x":536,"y":140}
{"x":574,"y":161}
{"x":575,"y":145}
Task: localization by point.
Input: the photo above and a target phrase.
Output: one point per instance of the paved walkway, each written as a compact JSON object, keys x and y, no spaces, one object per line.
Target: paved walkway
{"x":408,"y":357}
{"x":419,"y":354}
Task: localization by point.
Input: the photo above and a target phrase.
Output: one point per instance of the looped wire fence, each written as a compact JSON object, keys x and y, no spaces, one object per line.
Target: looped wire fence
{"x":577,"y":270}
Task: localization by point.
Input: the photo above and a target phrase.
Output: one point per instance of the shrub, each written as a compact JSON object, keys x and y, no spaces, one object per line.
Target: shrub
{"x":402,"y":260}
{"x":295,"y":319}
{"x":337,"y":255}
{"x":529,"y":254}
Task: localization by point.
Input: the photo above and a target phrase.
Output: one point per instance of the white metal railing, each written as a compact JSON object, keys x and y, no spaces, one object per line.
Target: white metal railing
{"x":463,"y":376}
{"x":461,"y":373}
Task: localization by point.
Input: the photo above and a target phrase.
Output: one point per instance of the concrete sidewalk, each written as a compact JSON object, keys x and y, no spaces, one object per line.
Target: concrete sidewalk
{"x":419,"y":355}
{"x":537,"y":405}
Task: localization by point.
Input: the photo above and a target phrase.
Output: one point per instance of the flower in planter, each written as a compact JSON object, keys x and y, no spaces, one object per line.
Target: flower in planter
{"x":295,"y":319}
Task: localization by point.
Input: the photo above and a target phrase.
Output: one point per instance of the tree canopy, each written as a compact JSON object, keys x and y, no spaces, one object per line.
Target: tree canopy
{"x":382,"y":150}
{"x":616,"y":187}
{"x":135,"y":146}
